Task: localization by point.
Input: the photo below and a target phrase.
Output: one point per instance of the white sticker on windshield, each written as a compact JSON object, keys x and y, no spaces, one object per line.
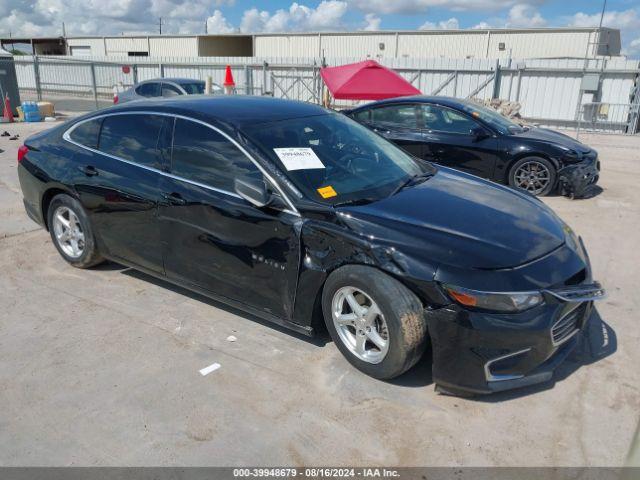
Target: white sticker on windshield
{"x":298,"y":158}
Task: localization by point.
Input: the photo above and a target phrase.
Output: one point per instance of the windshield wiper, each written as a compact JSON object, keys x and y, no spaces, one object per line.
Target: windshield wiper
{"x":413,"y":180}
{"x":356,"y":201}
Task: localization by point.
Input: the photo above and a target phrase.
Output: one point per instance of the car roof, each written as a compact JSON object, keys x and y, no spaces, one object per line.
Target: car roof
{"x":173,"y":80}
{"x":446,"y":101}
{"x":235,"y":110}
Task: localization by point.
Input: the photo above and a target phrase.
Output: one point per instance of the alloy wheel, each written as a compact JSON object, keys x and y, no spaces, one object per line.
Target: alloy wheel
{"x":532,"y":176}
{"x":68,"y":232}
{"x":360,"y":324}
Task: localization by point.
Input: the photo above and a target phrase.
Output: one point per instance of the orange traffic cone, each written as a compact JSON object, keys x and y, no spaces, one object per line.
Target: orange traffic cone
{"x":7,"y":114}
{"x":228,"y":84}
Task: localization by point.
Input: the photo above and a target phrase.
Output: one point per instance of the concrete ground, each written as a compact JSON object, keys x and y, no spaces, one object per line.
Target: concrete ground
{"x":101,"y":367}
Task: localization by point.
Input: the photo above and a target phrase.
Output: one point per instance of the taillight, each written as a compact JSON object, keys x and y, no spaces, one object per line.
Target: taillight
{"x":22,"y":151}
{"x":115,"y":99}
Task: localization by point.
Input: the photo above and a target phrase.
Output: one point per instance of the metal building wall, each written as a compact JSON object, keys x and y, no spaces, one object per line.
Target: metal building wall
{"x":287,"y":46}
{"x":439,"y":44}
{"x":517,"y":43}
{"x":95,"y":44}
{"x":531,"y":44}
{"x":167,"y":46}
{"x":121,"y":45}
{"x":380,"y":45}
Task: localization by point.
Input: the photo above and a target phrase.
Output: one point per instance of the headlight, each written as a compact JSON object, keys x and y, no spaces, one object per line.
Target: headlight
{"x":496,"y":302}
{"x":570,"y":155}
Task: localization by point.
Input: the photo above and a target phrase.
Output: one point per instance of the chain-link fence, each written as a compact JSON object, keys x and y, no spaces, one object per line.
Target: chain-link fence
{"x":604,"y":117}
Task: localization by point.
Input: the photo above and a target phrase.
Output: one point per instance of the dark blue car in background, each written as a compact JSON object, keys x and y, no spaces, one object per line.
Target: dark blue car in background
{"x":466,"y":136}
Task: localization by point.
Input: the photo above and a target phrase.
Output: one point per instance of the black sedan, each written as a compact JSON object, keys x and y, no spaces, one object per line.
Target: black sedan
{"x":295,"y":213}
{"x":463,"y":135}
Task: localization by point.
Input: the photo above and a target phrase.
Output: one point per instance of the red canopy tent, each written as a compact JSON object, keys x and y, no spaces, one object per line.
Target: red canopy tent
{"x":366,"y":80}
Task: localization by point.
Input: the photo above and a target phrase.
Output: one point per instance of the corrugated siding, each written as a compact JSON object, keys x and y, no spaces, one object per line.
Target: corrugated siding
{"x":541,"y":45}
{"x":120,"y":46}
{"x":433,"y":45}
{"x":430,"y":44}
{"x":363,"y":46}
{"x":173,"y":46}
{"x":287,"y":46}
{"x":95,"y":44}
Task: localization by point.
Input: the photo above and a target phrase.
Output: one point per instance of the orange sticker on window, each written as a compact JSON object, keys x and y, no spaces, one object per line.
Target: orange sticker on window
{"x":327,"y":192}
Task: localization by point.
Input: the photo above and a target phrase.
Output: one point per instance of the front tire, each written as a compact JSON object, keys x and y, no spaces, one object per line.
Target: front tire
{"x":71,"y":232}
{"x":374,"y":320}
{"x":534,"y":175}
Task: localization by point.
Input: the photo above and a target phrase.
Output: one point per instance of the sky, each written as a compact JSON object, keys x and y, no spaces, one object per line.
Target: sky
{"x":106,"y":17}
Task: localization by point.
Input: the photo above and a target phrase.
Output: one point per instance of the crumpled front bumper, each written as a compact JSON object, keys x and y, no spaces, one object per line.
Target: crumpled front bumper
{"x":575,"y":179}
{"x":480,"y":353}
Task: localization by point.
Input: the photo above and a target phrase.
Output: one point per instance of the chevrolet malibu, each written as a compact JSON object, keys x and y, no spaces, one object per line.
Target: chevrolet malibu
{"x":300,"y":215}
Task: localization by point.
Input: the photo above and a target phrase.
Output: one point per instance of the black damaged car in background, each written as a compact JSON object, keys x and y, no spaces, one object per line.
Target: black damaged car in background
{"x":466,"y":136}
{"x":296,"y":214}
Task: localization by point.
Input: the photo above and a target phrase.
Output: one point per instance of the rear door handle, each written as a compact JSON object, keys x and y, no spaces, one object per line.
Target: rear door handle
{"x":89,"y":170}
{"x":174,"y":199}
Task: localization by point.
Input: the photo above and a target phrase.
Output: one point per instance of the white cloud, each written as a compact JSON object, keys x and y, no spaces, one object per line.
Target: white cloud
{"x":525,"y":16}
{"x":326,"y":16}
{"x":628,"y":21}
{"x":481,"y":26}
{"x":421,"y":6}
{"x":372,"y":22}
{"x":216,"y":23}
{"x":451,"y":24}
{"x":616,"y":19}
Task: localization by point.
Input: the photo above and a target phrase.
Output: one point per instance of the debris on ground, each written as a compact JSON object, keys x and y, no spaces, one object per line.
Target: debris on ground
{"x":211,"y":368}
{"x":231,"y":338}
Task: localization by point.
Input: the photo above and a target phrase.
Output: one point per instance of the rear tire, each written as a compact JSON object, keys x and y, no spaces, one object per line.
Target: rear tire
{"x":384,"y":333}
{"x":534,"y":175}
{"x":71,"y":232}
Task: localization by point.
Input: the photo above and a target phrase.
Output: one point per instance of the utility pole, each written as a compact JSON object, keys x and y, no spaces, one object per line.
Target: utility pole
{"x":206,"y":28}
{"x":604,"y":6}
{"x":64,"y":31}
{"x":160,"y":25}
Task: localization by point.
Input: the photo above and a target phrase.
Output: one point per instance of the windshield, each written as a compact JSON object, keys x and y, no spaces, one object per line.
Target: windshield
{"x":334,"y":160}
{"x":195,"y":88}
{"x":492,"y":117}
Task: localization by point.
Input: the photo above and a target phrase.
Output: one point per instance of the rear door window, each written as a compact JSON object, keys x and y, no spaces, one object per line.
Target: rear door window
{"x":150,"y":89}
{"x":87,"y":133}
{"x":138,"y":138}
{"x":404,"y":116}
{"x":202,"y":155}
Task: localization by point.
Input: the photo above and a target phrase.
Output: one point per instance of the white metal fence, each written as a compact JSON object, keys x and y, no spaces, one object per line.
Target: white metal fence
{"x":551,"y":92}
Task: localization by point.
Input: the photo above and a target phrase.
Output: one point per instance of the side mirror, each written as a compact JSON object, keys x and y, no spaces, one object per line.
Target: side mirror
{"x":253,"y":191}
{"x":479,"y":133}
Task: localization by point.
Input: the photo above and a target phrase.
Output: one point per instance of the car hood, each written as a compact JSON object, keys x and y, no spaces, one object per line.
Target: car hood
{"x":458,"y":219}
{"x":551,"y":136}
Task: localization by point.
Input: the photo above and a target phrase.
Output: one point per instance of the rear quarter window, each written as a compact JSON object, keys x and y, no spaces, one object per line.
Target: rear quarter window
{"x":363,"y":116}
{"x":87,"y":133}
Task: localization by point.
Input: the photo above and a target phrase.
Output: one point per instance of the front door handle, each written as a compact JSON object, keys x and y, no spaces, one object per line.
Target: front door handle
{"x":174,"y":199}
{"x":89,"y":170}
